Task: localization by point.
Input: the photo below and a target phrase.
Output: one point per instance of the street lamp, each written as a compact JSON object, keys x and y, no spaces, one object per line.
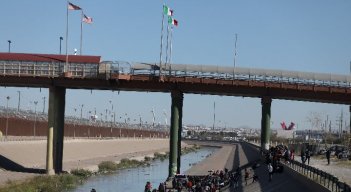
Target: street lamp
{"x":153,"y":117}
{"x":44,"y":104}
{"x":9,"y":41}
{"x":81,"y":113}
{"x":35,"y":117}
{"x":7,"y":115}
{"x":19,"y":100}
{"x":61,"y":38}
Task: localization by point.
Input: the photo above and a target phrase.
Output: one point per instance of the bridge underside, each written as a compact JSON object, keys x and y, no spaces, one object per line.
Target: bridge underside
{"x":287,"y":91}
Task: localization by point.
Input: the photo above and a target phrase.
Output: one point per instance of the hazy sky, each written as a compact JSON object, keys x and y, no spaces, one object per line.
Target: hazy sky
{"x":300,"y":35}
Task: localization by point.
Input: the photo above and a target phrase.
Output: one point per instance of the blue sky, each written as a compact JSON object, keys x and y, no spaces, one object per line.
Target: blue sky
{"x":297,"y":35}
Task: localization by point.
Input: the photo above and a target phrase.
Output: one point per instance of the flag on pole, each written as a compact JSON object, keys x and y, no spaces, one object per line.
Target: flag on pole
{"x":72,"y":6}
{"x":87,"y":19}
{"x":167,"y":11}
{"x":172,"y":21}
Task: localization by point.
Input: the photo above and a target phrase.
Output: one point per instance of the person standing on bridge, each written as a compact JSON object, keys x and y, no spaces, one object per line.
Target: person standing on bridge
{"x":270,"y":171}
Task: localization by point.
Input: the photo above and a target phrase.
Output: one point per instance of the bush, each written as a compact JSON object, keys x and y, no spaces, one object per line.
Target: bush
{"x":107,"y":166}
{"x":82,"y":173}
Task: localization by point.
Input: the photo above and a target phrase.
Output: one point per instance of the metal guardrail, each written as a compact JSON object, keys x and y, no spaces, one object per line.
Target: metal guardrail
{"x":323,"y":178}
{"x":108,"y":69}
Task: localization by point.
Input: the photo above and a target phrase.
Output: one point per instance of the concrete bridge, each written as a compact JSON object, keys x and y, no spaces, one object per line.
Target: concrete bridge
{"x":61,"y":72}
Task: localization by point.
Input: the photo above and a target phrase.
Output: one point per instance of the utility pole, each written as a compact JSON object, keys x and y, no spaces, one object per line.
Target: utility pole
{"x":236,"y":39}
{"x":19,"y":100}
{"x":214,"y":114}
{"x":44,"y":104}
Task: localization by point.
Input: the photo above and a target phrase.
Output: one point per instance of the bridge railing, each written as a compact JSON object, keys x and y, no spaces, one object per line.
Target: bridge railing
{"x":325,"y":179}
{"x":112,"y":69}
{"x":321,"y":177}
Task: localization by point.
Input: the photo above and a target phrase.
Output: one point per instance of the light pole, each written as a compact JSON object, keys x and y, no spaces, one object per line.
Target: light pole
{"x":19,"y":100}
{"x":140,"y":121}
{"x":153,"y":117}
{"x":9,"y":41}
{"x":7,"y":115}
{"x":81,"y":113}
{"x":44,"y":104}
{"x":74,"y":123}
{"x":214,"y":114}
{"x":35,"y":117}
{"x":61,"y":38}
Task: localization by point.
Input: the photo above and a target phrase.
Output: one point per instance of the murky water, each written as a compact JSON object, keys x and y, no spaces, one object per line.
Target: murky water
{"x":135,"y":179}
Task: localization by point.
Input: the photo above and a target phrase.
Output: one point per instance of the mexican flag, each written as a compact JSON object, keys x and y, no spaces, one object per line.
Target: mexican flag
{"x":167,"y":10}
{"x":172,"y":21}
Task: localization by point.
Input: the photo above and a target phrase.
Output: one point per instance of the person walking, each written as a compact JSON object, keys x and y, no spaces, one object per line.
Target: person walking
{"x":308,"y":156}
{"x":327,"y":154}
{"x":270,"y":171}
{"x":303,"y":157}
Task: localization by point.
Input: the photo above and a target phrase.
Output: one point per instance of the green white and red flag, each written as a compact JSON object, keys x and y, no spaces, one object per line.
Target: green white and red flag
{"x":167,"y":10}
{"x":172,"y":21}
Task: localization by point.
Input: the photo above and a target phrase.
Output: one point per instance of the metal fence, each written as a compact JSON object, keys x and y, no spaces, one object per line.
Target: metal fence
{"x":109,"y":69}
{"x":323,"y":178}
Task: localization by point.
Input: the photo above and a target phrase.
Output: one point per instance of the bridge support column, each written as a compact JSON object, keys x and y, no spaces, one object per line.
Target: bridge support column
{"x":56,"y":120}
{"x":180,"y":129}
{"x":265,"y":122}
{"x":174,"y":141}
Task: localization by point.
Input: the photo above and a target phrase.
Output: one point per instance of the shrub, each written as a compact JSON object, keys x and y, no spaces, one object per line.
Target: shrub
{"x":107,"y":166}
{"x":82,"y":173}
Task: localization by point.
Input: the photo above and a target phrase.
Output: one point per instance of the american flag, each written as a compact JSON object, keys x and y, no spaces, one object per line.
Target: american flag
{"x":87,"y":19}
{"x":72,"y":6}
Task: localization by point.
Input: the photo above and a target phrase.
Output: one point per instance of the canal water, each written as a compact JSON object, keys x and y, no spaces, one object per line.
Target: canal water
{"x":134,"y":179}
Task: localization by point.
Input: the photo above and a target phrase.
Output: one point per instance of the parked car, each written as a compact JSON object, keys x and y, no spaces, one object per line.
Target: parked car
{"x":322,"y":151}
{"x":344,"y":154}
{"x":336,"y":149}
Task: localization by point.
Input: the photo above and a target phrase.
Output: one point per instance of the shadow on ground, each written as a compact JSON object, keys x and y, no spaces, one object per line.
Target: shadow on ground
{"x":10,"y":165}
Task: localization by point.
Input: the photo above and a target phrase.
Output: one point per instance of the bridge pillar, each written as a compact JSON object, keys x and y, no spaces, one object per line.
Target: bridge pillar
{"x":174,"y":140}
{"x":265,"y":122}
{"x":180,"y":129}
{"x":56,"y":120}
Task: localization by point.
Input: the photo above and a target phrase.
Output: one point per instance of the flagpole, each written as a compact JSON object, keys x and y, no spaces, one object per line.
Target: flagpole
{"x":163,"y":18}
{"x":81,"y":32}
{"x":167,"y":45}
{"x":236,"y":38}
{"x":170,"y":52}
{"x":65,"y":67}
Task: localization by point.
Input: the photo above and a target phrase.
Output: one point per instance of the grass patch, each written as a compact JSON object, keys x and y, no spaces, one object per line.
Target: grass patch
{"x":109,"y":166}
{"x":56,"y":183}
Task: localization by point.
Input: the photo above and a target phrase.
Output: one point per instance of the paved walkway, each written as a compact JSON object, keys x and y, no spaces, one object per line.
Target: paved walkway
{"x":234,"y":155}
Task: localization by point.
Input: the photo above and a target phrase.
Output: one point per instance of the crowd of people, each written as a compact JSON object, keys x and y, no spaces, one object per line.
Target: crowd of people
{"x":212,"y":182}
